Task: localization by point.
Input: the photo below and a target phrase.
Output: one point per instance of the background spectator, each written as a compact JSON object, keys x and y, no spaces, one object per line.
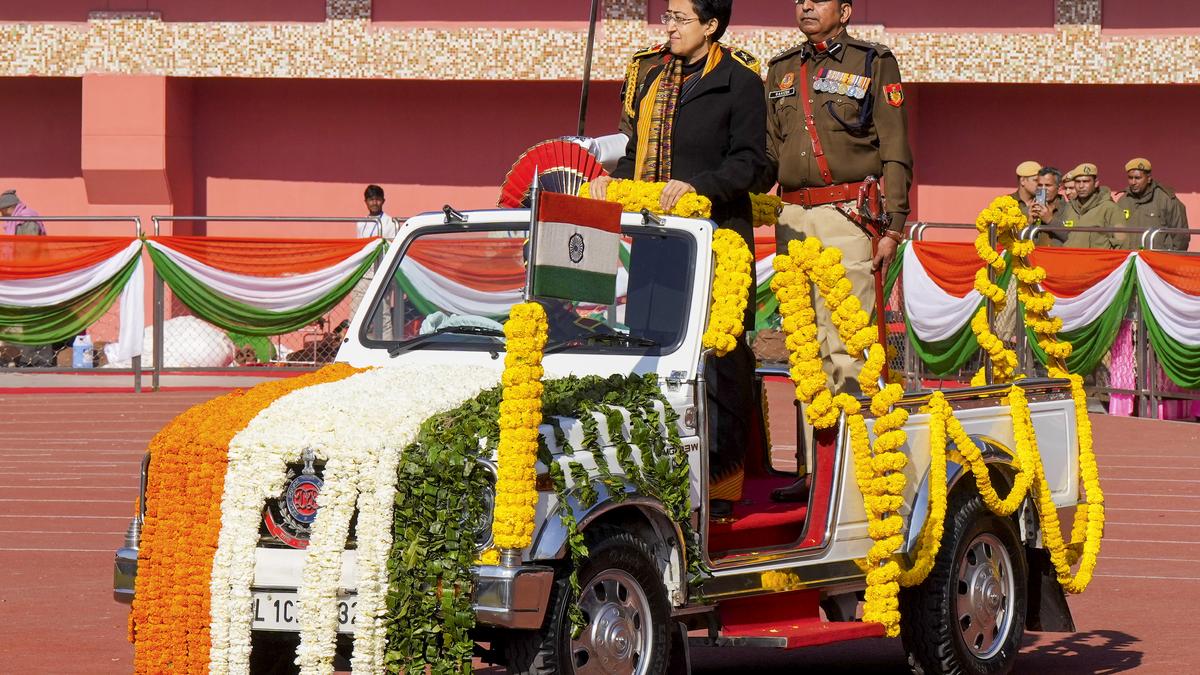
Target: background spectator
{"x":1048,"y":207}
{"x":12,"y":206}
{"x":1150,"y":204}
{"x":1027,"y":173}
{"x":1066,"y":189}
{"x":384,"y":227}
{"x":1093,"y":206}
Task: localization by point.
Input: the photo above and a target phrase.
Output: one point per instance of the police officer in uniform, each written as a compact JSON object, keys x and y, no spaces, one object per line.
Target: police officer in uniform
{"x":837,"y":137}
{"x":1092,"y":206}
{"x":1148,"y":204}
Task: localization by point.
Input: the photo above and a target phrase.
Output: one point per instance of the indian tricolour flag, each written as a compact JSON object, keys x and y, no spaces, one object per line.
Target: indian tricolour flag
{"x":576,"y":249}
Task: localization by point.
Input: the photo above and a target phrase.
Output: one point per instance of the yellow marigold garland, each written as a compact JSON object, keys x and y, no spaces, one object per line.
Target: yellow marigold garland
{"x":730,"y":291}
{"x":520,"y":416}
{"x":1088,"y":527}
{"x":169,"y":620}
{"x":633,"y":196}
{"x":1006,"y":216}
{"x":878,"y":467}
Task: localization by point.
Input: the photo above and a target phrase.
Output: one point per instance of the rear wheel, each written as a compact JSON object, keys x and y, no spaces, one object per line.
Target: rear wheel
{"x":969,"y":615}
{"x":626,"y":613}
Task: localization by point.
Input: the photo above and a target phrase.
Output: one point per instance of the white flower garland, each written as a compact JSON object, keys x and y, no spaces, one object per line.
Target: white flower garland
{"x":358,"y":426}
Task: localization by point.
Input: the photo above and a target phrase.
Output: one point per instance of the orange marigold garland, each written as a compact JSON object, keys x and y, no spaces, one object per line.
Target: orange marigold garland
{"x":169,"y":620}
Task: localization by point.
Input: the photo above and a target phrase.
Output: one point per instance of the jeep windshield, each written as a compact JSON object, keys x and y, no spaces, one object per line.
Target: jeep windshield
{"x":450,"y":289}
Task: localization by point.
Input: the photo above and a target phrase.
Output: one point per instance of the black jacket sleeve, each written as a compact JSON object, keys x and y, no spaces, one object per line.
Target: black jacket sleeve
{"x":746,"y":162}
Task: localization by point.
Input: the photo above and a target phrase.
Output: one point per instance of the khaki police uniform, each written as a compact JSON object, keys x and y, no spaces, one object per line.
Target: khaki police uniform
{"x":1156,"y":207}
{"x":1099,"y":210}
{"x":836,"y":123}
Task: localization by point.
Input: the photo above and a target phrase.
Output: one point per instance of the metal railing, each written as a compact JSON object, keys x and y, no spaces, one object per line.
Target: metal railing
{"x":1146,"y":389}
{"x":135,"y":368}
{"x":160,"y":292}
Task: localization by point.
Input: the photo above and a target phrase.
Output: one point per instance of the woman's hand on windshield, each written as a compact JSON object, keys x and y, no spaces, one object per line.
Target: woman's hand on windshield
{"x":598,"y":189}
{"x":672,"y":193}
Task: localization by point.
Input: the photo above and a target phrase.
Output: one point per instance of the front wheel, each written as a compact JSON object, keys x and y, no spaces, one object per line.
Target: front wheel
{"x":625,"y":610}
{"x":968,"y":617}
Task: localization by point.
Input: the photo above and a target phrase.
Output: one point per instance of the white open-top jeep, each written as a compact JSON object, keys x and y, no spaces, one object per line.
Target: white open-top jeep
{"x":775,"y":574}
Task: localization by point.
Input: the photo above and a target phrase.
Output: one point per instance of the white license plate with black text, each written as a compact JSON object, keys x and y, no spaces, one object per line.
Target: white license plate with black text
{"x":278,"y":611}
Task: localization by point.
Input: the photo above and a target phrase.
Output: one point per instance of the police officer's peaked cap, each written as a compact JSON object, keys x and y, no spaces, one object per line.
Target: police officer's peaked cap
{"x":1085,"y":169}
{"x":1138,"y":164}
{"x":1028,"y":169}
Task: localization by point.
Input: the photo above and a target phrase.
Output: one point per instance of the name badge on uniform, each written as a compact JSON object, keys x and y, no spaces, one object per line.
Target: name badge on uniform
{"x":780,"y":93}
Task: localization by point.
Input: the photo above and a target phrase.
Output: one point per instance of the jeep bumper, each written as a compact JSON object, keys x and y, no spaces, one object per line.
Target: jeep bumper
{"x":512,"y":597}
{"x":124,"y":574}
{"x":509,"y":597}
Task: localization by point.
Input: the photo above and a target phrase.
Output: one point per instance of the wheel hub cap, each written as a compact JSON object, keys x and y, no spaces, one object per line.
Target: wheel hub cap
{"x":985,"y":595}
{"x":617,"y":637}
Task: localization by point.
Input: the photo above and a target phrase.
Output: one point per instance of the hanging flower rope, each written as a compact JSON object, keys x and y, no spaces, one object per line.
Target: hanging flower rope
{"x":878,"y":466}
{"x":520,"y":415}
{"x":1088,"y":526}
{"x":730,"y":291}
{"x":1005,"y":216}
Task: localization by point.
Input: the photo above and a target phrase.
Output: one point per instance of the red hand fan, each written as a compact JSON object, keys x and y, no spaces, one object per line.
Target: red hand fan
{"x":562,"y":166}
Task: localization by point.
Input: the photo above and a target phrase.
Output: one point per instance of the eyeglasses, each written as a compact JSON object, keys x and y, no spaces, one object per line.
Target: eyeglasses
{"x":678,"y":19}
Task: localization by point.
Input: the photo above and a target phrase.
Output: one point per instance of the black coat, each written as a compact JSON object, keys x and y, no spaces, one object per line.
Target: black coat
{"x":719,"y":141}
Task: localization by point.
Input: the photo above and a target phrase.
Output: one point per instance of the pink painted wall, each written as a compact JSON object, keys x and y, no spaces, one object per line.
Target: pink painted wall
{"x":308,"y":147}
{"x":1151,"y":14}
{"x":39,"y":145}
{"x":170,"y":10}
{"x":906,"y":14}
{"x":480,"y":10}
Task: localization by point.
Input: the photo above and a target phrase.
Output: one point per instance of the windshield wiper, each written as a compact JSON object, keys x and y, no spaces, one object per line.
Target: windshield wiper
{"x":457,"y":330}
{"x":602,"y":339}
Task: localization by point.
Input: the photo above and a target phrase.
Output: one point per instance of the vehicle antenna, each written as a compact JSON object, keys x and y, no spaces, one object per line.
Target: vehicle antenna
{"x":587,"y":67}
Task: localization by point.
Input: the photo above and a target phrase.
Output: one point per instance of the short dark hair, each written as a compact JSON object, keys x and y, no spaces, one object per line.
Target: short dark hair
{"x":720,"y":10}
{"x":373,"y":191}
{"x":1051,"y":171}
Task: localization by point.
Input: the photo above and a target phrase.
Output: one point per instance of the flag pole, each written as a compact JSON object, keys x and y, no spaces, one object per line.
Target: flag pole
{"x":587,"y":67}
{"x":534,"y":189}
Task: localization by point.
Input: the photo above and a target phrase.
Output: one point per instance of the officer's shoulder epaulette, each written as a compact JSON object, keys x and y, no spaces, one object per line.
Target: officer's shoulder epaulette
{"x":632,"y":71}
{"x":790,"y":51}
{"x":868,"y":46}
{"x":744,"y":57}
{"x":649,"y":51}
{"x":1166,"y":190}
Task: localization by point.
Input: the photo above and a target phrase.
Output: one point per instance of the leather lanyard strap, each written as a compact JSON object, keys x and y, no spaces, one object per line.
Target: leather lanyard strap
{"x":811,"y":125}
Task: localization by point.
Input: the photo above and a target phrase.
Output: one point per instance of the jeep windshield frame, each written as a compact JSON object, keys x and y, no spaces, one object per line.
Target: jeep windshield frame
{"x":683,"y":244}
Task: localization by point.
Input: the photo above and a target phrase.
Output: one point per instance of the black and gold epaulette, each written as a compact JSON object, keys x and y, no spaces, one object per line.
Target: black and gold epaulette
{"x":790,"y":51}
{"x":629,"y":90}
{"x":649,"y":51}
{"x":745,"y":58}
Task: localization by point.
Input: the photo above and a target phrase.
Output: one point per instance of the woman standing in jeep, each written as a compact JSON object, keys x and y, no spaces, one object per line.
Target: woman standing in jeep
{"x":700,"y":126}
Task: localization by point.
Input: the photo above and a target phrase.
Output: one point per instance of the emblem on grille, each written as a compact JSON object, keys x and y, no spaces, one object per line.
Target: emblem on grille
{"x":290,"y":517}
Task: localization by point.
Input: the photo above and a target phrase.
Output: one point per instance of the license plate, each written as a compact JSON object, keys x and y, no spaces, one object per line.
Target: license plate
{"x":277,"y":611}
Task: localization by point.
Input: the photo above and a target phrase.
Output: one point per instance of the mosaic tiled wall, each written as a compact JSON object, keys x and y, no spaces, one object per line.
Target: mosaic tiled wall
{"x":348,"y":45}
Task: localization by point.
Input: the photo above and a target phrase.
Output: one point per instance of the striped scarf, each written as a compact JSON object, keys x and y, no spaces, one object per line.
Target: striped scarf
{"x":656,"y":118}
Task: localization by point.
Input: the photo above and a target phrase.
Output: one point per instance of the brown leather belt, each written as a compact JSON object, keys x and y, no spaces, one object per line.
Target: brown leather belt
{"x":833,"y":194}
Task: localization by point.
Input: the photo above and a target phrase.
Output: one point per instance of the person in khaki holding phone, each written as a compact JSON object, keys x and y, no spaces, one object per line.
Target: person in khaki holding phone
{"x":1093,"y":206}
